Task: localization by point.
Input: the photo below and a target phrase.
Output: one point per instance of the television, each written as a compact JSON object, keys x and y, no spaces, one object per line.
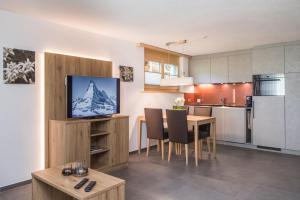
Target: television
{"x":92,"y":97}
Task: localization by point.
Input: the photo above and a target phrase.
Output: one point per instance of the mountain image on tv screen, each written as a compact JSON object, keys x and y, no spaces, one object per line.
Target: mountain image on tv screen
{"x":92,"y":96}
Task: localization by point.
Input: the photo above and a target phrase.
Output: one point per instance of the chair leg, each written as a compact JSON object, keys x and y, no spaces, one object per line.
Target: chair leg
{"x":208,"y":144}
{"x":180,"y":149}
{"x":148,"y":146}
{"x":187,"y":154}
{"x":158,"y":145}
{"x":170,"y":151}
{"x":200,"y":149}
{"x":162,"y":150}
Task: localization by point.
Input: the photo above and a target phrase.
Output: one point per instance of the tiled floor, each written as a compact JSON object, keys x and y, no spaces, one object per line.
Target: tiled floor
{"x":236,"y":174}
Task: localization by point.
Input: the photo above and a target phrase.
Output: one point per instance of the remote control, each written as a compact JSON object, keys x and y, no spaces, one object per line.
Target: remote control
{"x":90,"y":186}
{"x":81,"y":183}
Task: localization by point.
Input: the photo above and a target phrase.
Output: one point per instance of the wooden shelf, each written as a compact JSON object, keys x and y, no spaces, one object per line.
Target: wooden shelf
{"x":99,"y":151}
{"x":96,"y":133}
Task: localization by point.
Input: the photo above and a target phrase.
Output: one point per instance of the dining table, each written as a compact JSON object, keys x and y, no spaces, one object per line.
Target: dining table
{"x":192,"y":120}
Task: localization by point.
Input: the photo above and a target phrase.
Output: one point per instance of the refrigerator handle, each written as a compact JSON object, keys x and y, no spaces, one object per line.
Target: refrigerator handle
{"x":253,"y":108}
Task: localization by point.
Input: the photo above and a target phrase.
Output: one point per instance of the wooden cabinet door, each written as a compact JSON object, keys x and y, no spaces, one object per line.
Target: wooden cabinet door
{"x":235,"y":125}
{"x":219,"y":69}
{"x":199,"y":69}
{"x":69,"y":142}
{"x":292,"y":58}
{"x":120,"y":141}
{"x":268,"y":121}
{"x":268,"y":60}
{"x":240,"y":68}
{"x":292,"y":111}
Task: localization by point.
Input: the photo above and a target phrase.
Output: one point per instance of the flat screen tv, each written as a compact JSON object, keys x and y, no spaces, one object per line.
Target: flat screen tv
{"x":92,"y":97}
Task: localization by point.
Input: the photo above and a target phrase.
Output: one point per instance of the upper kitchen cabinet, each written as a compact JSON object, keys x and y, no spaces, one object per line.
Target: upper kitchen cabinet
{"x":268,"y":60}
{"x":240,"y":68}
{"x":219,"y":69}
{"x":200,"y":69}
{"x":292,"y":58}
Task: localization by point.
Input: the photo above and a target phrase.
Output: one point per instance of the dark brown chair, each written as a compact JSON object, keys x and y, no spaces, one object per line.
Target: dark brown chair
{"x":155,"y":128}
{"x":178,"y":131}
{"x":204,"y":130}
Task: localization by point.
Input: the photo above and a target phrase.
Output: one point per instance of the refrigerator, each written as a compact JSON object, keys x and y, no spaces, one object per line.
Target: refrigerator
{"x":268,"y":111}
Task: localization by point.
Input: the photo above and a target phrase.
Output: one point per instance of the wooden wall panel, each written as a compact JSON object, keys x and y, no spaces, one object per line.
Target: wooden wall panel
{"x":57,"y":67}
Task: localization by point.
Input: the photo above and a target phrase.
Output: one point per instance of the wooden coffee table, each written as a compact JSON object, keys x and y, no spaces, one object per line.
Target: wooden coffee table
{"x":50,"y":184}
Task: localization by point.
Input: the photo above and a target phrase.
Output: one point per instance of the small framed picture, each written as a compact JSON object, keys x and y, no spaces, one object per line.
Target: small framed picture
{"x":126,"y":73}
{"x":18,"y":66}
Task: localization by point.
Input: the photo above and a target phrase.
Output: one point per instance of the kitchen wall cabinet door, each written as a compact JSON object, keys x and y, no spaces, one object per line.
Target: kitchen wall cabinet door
{"x":199,"y":69}
{"x":235,"y":125}
{"x":268,"y":121}
{"x":268,"y":60}
{"x":240,"y":68}
{"x":292,"y":58}
{"x":292,"y":111}
{"x":218,"y":113}
{"x":219,"y":69}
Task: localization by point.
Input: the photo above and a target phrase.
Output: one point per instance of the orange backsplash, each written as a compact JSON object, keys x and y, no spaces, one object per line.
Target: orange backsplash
{"x":212,"y":93}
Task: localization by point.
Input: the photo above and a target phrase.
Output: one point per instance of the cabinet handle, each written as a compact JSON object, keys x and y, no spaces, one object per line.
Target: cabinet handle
{"x":253,"y":109}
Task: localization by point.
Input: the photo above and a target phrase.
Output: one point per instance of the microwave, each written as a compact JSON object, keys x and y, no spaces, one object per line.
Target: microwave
{"x":268,"y":85}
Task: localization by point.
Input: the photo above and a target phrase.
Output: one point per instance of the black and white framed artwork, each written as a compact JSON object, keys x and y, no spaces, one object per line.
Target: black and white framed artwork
{"x":18,"y":66}
{"x":126,"y":74}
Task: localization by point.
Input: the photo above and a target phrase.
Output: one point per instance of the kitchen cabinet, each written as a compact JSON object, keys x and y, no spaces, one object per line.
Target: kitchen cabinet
{"x":199,"y":69}
{"x":292,"y":111}
{"x":268,"y":121}
{"x":219,"y":69}
{"x":230,"y":124}
{"x":240,"y":68}
{"x":218,"y":113}
{"x":268,"y":60}
{"x":235,"y":125}
{"x":292,"y":58}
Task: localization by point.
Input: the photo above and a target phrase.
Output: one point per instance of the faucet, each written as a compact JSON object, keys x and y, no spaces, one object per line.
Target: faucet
{"x":223,"y":100}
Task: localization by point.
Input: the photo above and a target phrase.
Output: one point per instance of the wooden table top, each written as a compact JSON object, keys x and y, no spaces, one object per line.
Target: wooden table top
{"x":191,"y":118}
{"x":54,"y":178}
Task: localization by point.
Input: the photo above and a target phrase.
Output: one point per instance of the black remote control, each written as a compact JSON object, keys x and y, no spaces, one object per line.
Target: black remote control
{"x":81,"y":183}
{"x":90,"y":186}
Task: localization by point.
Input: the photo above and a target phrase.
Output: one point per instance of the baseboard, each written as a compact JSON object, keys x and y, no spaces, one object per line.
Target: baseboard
{"x":251,"y":146}
{"x":12,"y":186}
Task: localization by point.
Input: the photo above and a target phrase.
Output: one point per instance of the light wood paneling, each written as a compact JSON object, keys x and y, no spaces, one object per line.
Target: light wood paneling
{"x":49,"y":184}
{"x":120,"y":141}
{"x":69,"y":142}
{"x":57,"y":67}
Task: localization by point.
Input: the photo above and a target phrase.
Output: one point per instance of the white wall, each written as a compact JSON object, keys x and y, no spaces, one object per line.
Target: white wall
{"x":21,"y":116}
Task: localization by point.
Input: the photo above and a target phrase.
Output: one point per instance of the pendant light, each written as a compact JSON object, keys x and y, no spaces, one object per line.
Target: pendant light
{"x":176,"y":81}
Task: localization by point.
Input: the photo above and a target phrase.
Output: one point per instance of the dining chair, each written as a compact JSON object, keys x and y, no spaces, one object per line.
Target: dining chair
{"x":155,"y":129}
{"x":204,"y":130}
{"x":178,"y":131}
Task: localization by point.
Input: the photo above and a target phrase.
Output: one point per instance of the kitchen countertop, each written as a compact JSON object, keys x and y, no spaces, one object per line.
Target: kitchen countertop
{"x":217,"y":105}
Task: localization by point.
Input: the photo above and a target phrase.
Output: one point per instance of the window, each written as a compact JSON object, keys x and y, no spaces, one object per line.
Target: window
{"x":160,"y":65}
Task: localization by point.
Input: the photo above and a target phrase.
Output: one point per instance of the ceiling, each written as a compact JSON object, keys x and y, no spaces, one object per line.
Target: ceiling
{"x":229,"y":24}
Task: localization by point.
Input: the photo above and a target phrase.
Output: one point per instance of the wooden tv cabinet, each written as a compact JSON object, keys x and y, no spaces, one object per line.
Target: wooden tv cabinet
{"x":71,"y":140}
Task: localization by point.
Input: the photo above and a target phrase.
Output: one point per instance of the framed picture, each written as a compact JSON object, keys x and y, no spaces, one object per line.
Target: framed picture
{"x":126,"y":73}
{"x":18,"y":66}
